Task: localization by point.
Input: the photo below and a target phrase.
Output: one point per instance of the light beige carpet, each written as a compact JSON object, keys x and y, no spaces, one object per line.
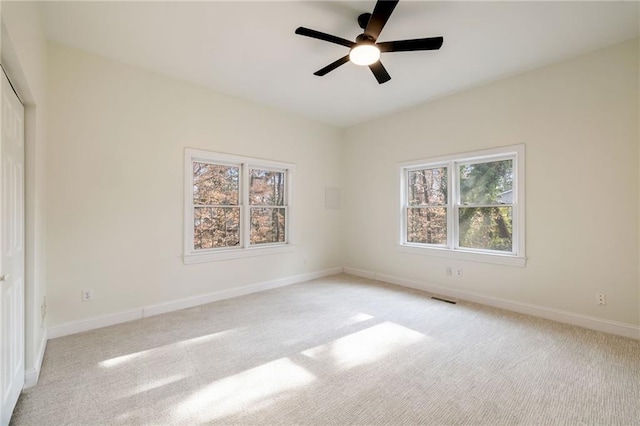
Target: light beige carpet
{"x":339,"y":350}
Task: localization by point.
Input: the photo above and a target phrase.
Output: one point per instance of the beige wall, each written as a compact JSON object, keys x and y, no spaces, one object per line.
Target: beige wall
{"x":117,"y":135}
{"x":579,"y":122}
{"x":115,"y":171}
{"x":24,"y":58}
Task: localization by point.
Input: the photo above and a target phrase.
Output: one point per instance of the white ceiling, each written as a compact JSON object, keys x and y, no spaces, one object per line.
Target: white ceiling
{"x":249,"y":49}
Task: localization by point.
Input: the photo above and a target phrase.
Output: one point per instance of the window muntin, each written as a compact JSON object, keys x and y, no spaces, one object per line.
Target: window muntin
{"x":235,"y":205}
{"x":469,"y":203}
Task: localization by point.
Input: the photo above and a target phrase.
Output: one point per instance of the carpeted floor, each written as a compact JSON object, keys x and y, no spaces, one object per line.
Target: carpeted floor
{"x":339,"y":350}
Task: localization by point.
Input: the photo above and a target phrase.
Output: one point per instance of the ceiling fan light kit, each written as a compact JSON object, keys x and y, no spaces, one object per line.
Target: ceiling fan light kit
{"x":364,"y":54}
{"x":365,"y":51}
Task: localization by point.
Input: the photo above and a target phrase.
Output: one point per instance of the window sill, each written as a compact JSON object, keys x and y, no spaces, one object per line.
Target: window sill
{"x":214,"y":256}
{"x":496,"y":259}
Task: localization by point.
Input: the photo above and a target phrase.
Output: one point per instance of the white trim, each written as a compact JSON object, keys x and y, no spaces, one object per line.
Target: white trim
{"x":452,"y":213}
{"x":214,"y":157}
{"x":463,"y":156}
{"x":237,"y":253}
{"x":93,"y":323}
{"x":245,"y":213}
{"x":593,"y":323}
{"x":359,"y":273}
{"x":147,"y":311}
{"x":461,"y":254}
{"x":32,"y":375}
{"x":188,"y":196}
{"x":586,"y":321}
{"x":234,"y":292}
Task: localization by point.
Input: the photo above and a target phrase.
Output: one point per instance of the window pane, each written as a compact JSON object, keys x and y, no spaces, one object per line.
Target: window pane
{"x":266,"y":187}
{"x":427,"y":187}
{"x":489,"y":228}
{"x":216,"y":227}
{"x":486,"y":183}
{"x":267,"y":225}
{"x":427,"y":225}
{"x":215,"y":184}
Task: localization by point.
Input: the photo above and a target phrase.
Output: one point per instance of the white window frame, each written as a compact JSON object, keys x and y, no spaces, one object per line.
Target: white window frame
{"x":452,"y":162}
{"x":245,"y":249}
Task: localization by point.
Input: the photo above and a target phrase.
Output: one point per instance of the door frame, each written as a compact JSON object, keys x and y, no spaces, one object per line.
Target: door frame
{"x":35,"y":268}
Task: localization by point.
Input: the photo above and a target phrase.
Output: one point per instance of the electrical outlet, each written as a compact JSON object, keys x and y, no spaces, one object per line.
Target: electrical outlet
{"x":449,"y":271}
{"x":601,"y":299}
{"x":458,"y":272}
{"x":87,"y":295}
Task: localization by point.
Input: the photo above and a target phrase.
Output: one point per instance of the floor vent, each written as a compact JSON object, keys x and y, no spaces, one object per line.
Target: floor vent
{"x":443,"y":300}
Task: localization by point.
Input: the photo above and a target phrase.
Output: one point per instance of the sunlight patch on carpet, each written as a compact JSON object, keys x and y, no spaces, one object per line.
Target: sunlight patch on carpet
{"x":366,"y":346}
{"x":360,"y":317}
{"x":250,"y":390}
{"x":120,"y":360}
{"x":146,"y":387}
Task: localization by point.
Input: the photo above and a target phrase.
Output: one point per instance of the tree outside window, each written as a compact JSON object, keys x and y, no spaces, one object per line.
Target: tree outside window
{"x":235,"y":203}
{"x":467,"y":203}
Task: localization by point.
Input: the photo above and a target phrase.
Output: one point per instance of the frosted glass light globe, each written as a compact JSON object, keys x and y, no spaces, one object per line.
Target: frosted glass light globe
{"x":364,"y":54}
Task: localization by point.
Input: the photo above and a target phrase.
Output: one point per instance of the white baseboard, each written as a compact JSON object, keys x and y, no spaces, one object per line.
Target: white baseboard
{"x":32,"y":374}
{"x":359,"y":273}
{"x":234,"y":292}
{"x":93,"y":323}
{"x":599,"y":324}
{"x":147,"y":311}
{"x":593,"y":323}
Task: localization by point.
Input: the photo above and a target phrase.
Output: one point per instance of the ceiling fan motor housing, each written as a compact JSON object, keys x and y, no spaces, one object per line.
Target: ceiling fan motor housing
{"x":364,"y":39}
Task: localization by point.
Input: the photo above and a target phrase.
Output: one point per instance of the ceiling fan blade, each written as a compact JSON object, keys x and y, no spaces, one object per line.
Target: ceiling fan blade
{"x":381,"y":13}
{"x":380,"y":72}
{"x":332,"y":66}
{"x":431,"y":43}
{"x":323,"y":36}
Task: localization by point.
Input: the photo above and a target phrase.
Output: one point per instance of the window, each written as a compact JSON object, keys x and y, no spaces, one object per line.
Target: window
{"x":468,"y":206}
{"x":235,"y":206}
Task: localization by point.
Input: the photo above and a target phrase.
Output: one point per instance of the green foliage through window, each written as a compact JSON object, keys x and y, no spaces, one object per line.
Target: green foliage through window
{"x":485,"y":183}
{"x":486,"y":228}
{"x":480,"y":206}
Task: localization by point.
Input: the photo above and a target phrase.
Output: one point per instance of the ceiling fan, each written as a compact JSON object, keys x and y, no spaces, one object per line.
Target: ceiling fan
{"x":366,"y":50}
